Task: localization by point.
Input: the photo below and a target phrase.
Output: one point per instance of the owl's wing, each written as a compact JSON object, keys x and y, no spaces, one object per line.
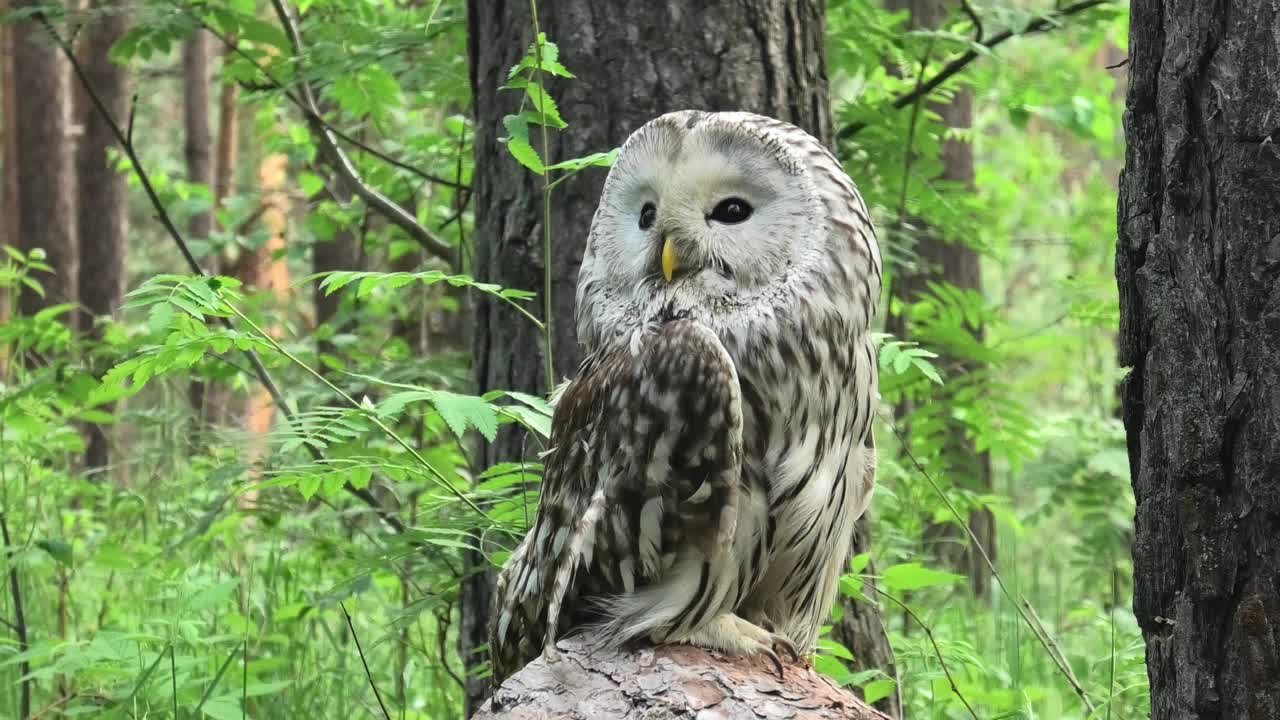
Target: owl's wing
{"x":647,"y":457}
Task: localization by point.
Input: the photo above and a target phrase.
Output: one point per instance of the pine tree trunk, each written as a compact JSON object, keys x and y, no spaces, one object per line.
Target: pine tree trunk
{"x":9,"y":150}
{"x":103,"y":204}
{"x":950,"y":261}
{"x":46,"y":182}
{"x":633,"y":61}
{"x":197,"y":140}
{"x":1198,"y":267}
{"x":198,"y":151}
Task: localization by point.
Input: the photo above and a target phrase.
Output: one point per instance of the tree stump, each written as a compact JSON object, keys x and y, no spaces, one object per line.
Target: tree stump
{"x":670,"y":682}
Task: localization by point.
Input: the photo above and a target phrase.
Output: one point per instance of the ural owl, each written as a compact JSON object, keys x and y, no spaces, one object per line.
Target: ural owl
{"x":711,"y":457}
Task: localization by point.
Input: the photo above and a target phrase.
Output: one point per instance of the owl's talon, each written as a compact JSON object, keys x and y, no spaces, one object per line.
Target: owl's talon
{"x":787,"y":646}
{"x":777,"y":662}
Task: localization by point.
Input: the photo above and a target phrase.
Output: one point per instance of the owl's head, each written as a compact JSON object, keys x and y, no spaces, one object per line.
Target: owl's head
{"x":720,"y":214}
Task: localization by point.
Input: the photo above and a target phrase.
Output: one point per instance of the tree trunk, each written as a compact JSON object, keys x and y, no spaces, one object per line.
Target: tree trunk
{"x":103,"y":203}
{"x":9,"y":149}
{"x":1198,"y":268}
{"x":633,"y":61}
{"x":949,"y":261}
{"x":265,"y":269}
{"x":197,"y":141}
{"x":673,"y":682}
{"x":46,"y":184}
{"x":212,"y":403}
{"x":198,"y":150}
{"x":340,"y":252}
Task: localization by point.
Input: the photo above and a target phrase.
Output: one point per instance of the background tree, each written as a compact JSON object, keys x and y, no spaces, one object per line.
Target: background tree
{"x":929,"y":257}
{"x":636,"y":62}
{"x":1196,"y":263}
{"x":43,"y":162}
{"x":102,"y":205}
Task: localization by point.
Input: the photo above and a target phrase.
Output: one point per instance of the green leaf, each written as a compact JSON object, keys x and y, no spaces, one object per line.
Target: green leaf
{"x":544,"y":110}
{"x":600,"y":159}
{"x":913,"y":576}
{"x":57,"y":548}
{"x":877,"y":690}
{"x":518,"y":143}
{"x":461,"y":411}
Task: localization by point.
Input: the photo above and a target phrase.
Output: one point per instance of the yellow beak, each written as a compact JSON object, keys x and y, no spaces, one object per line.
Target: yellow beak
{"x":668,"y":258}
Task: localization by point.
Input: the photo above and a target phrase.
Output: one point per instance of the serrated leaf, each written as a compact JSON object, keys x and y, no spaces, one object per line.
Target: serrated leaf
{"x":518,"y":143}
{"x":544,"y":110}
{"x":462,"y":411}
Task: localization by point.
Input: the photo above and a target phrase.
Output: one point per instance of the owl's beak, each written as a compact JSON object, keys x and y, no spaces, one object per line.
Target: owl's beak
{"x":668,"y":258}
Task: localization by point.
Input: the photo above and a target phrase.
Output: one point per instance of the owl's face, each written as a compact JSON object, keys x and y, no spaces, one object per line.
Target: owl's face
{"x":701,"y":211}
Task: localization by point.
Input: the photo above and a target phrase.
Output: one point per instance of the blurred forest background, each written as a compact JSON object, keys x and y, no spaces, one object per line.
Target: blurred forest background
{"x":281,"y":493}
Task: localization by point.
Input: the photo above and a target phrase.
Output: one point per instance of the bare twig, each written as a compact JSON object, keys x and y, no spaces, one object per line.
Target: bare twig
{"x":19,"y":619}
{"x":342,"y":164}
{"x":973,"y":18}
{"x":1038,"y":630}
{"x":360,"y":650}
{"x":260,"y":370}
{"x":928,"y":632}
{"x":1040,"y":24}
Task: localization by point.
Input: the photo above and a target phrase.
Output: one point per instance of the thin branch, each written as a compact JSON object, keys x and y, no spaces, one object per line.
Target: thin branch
{"x":19,"y":619}
{"x":260,"y":370}
{"x":973,"y":18}
{"x":368,"y":675}
{"x":1040,"y":24}
{"x":1050,"y":646}
{"x":274,"y":83}
{"x":928,"y":632}
{"x":342,"y":164}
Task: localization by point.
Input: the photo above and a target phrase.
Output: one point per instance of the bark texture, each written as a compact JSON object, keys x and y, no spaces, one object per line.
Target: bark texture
{"x":948,"y":260}
{"x":198,"y":139}
{"x":669,"y":682}
{"x":1198,"y":268}
{"x":46,"y":183}
{"x":103,"y":204}
{"x":633,"y":61}
{"x":9,"y":186}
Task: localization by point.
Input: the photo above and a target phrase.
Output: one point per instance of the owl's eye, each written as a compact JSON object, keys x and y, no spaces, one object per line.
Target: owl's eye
{"x":731,"y":211}
{"x":647,"y":214}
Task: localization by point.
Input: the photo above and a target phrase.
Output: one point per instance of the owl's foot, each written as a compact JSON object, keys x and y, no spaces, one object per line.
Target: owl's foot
{"x":736,"y":636}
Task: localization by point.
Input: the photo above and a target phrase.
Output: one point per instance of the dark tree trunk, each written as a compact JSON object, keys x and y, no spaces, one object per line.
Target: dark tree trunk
{"x":633,"y":61}
{"x":102,"y":203}
{"x":1198,"y":267}
{"x":340,"y":252}
{"x":9,"y":184}
{"x":198,"y":140}
{"x":198,"y":150}
{"x":46,"y":184}
{"x":952,"y":262}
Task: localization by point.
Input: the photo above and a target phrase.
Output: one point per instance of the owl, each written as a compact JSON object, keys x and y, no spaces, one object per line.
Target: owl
{"x":711,"y":456}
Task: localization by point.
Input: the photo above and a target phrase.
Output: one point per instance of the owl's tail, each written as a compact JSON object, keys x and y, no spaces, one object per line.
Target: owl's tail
{"x":579,"y":548}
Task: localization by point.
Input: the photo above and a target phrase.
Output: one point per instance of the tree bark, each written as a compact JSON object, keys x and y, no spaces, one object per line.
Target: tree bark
{"x":633,"y":62}
{"x":103,"y":203}
{"x":9,"y":184}
{"x":46,"y":183}
{"x":949,"y":261}
{"x":1197,"y":264}
{"x":673,"y":682}
{"x":198,"y":140}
